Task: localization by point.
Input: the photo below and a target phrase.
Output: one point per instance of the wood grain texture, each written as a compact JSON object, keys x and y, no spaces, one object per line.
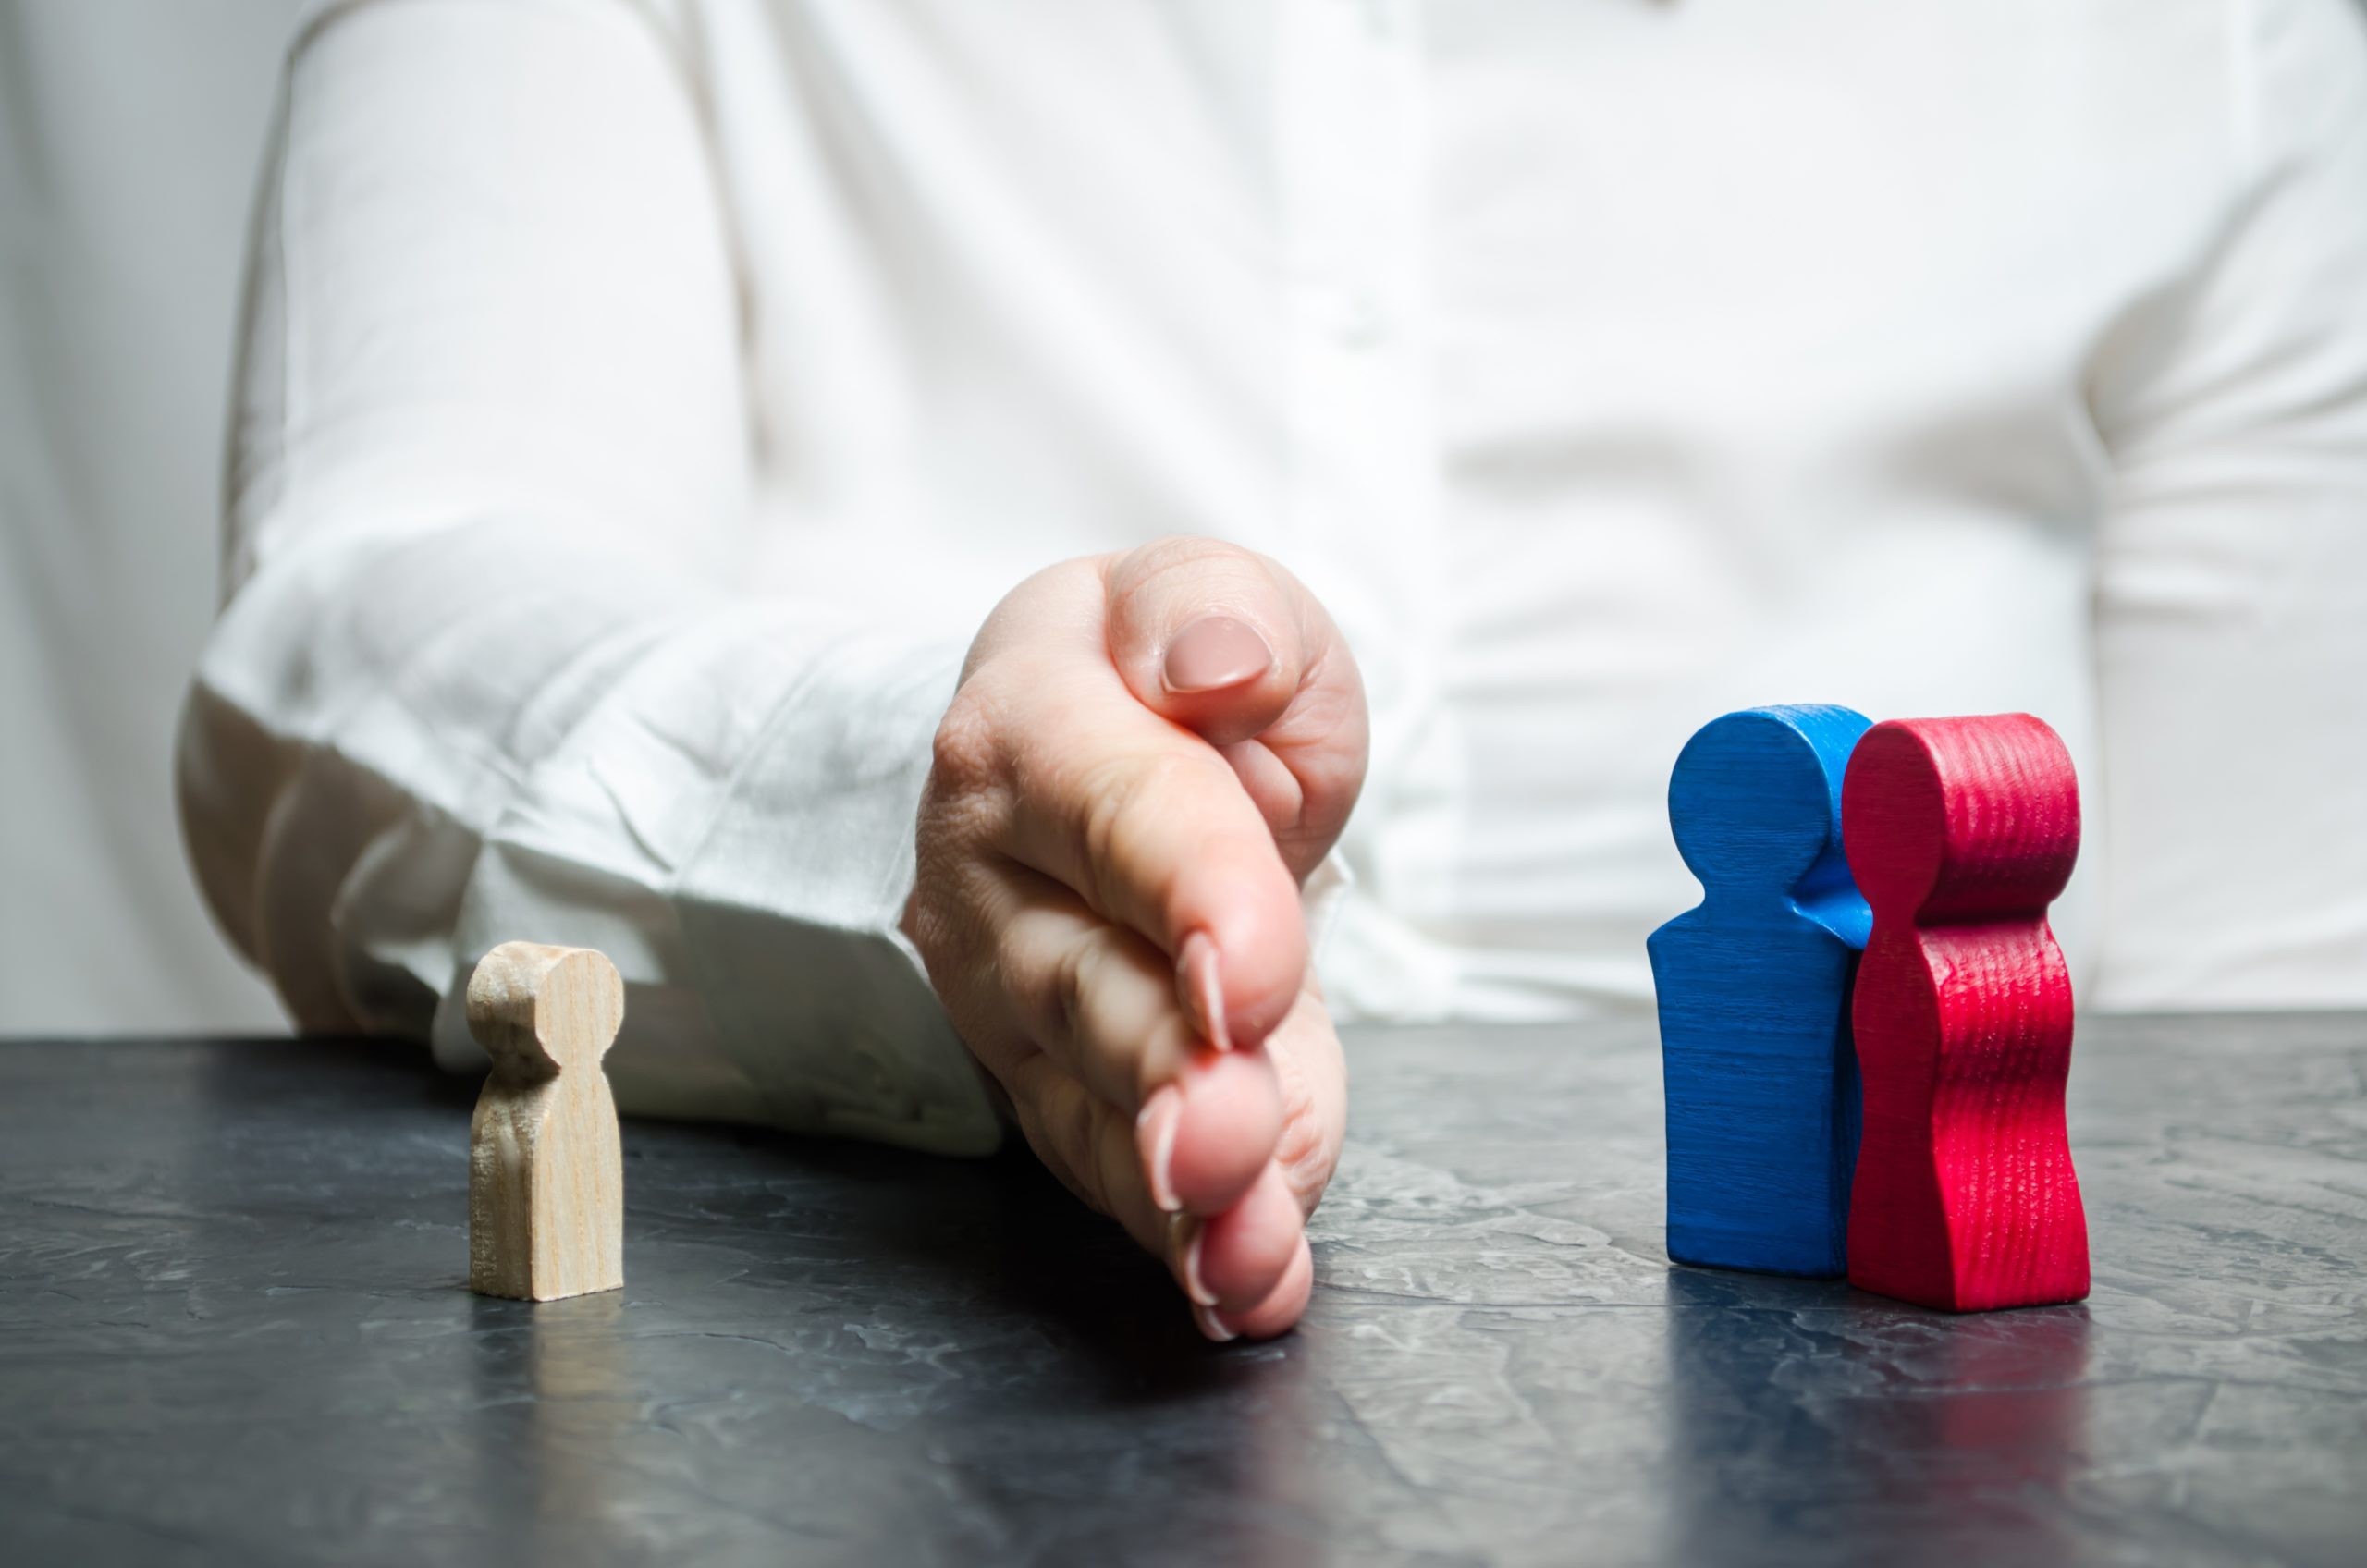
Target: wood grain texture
{"x":1961,"y":831}
{"x":545,"y":1165}
{"x":1753,"y":989}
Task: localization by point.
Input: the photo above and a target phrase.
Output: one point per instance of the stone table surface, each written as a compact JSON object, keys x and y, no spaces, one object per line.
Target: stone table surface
{"x":234,"y":1328}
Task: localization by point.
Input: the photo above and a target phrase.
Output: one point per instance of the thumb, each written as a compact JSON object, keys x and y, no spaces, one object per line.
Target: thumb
{"x":1207,"y":635}
{"x":1229,"y":645}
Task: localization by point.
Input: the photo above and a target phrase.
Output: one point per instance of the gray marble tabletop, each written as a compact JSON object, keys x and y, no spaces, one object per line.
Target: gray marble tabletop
{"x":233,"y":1329}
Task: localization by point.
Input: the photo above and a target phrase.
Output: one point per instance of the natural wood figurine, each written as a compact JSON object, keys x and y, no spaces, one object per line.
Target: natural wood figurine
{"x":546,"y":1170}
{"x":1961,"y":831}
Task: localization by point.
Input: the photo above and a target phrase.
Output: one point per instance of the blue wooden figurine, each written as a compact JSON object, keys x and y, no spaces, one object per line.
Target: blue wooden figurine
{"x":1754,"y":994}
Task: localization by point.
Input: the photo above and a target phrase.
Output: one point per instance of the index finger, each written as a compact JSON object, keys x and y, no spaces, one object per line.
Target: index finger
{"x":1149,"y":825}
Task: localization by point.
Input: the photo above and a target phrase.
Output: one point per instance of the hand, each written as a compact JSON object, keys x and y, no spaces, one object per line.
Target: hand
{"x":1146,"y":755}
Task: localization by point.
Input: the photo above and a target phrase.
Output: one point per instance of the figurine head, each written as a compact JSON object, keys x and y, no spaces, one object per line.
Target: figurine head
{"x":539,"y":1011}
{"x":1958,"y":819}
{"x":1755,"y":802}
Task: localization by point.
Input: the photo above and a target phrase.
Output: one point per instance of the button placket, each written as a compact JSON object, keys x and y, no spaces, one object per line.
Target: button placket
{"x":1353,"y":126}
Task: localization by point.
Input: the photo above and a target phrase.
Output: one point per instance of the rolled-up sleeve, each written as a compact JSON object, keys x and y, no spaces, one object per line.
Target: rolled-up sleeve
{"x":482,"y":673}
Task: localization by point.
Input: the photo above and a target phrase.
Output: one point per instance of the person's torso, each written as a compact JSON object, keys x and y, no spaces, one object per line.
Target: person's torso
{"x":1604,"y":366}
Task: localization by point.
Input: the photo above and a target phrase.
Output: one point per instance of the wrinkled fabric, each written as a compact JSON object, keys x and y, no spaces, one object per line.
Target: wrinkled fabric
{"x":639,"y":406}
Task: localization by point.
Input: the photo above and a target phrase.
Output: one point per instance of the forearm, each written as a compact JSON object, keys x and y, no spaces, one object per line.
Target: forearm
{"x":393,"y":761}
{"x":483,"y":672}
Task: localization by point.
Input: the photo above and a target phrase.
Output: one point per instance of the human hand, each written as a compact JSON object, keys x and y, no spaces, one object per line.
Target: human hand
{"x":1147,"y":752}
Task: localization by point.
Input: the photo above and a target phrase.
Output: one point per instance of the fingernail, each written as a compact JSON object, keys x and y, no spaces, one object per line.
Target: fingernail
{"x":1197,"y":966}
{"x":1206,"y":1319}
{"x":1213,"y":653}
{"x":1193,"y":1286}
{"x":1154,"y":1136}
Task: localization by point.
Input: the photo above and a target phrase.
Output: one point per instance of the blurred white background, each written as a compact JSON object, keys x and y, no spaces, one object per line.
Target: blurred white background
{"x":130,"y":132}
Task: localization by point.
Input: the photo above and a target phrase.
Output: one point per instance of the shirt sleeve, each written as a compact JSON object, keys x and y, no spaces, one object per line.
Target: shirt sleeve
{"x":480,"y":673}
{"x":2232,"y":586}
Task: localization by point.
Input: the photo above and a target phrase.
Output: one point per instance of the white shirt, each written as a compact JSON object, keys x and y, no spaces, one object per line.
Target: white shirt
{"x":642,"y":406}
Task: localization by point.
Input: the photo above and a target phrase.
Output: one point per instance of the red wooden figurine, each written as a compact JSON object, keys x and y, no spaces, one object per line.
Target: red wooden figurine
{"x":1959,"y":832}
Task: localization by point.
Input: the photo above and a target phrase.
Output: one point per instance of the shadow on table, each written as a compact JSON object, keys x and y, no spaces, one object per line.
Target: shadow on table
{"x":998,"y":1237}
{"x":982,"y":1242}
{"x":1808,"y":1413}
{"x":849,"y":1344}
{"x":818,"y":1341}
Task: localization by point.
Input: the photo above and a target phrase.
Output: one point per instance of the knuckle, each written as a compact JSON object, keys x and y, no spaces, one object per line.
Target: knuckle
{"x":1309,"y":1149}
{"x":1173,"y":551}
{"x":964,"y":801}
{"x":1128,"y":798}
{"x":1306,"y":1154}
{"x":1044,"y":1140}
{"x":1189,"y":568}
{"x":948,"y":918}
{"x":1071,"y":977}
{"x":965,"y":752}
{"x":925,"y":923}
{"x":1059,"y":1122}
{"x":951,"y":829}
{"x":1209,"y":568}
